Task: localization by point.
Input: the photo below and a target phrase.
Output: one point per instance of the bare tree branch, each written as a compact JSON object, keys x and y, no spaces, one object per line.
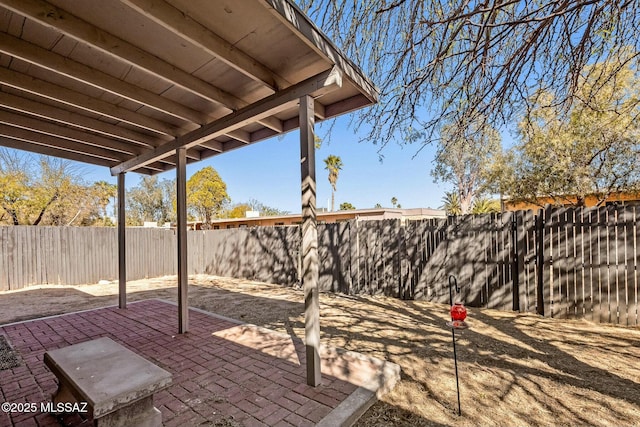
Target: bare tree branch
{"x":439,"y":60}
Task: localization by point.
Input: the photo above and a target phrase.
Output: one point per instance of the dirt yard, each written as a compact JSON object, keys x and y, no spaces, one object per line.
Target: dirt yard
{"x":515,"y":369}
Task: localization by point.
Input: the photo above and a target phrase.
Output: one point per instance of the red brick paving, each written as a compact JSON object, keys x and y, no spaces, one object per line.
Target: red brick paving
{"x":221,"y":370}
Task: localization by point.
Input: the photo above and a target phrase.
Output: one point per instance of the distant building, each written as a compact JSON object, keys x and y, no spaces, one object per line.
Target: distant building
{"x":620,"y":197}
{"x":325,"y":217}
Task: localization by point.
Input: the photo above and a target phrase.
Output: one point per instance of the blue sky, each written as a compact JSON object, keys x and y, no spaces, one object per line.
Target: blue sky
{"x":269,"y":171}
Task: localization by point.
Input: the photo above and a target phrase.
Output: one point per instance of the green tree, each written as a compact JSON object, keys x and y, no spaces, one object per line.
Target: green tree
{"x":150,"y":200}
{"x":394,"y":202}
{"x":594,"y":150}
{"x":102,"y":193}
{"x":346,"y":206}
{"x":439,"y":59}
{"x":463,"y":158}
{"x":237,"y":211}
{"x":15,"y":182}
{"x":240,"y":210}
{"x":206,"y":194}
{"x":451,"y":203}
{"x":86,"y":207}
{"x":334,"y":165}
{"x":483,"y":206}
{"x":40,"y":190}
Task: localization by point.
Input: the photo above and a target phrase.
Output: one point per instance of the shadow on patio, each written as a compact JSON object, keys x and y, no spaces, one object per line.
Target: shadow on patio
{"x":224,"y":372}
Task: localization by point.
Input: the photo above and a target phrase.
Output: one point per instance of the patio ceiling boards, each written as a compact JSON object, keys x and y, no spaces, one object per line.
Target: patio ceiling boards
{"x":123,"y":83}
{"x":152,"y":85}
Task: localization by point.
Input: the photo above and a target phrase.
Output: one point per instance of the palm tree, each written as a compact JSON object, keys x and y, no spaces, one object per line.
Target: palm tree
{"x":394,"y":201}
{"x":451,"y":203}
{"x":481,"y":206}
{"x":333,"y":164}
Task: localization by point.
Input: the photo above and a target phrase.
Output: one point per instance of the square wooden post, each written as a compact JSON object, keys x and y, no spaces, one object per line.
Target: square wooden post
{"x":183,"y":272}
{"x":122,"y":254}
{"x":309,"y":241}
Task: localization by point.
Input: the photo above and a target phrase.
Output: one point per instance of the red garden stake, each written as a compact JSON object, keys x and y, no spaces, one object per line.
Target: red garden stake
{"x":458,"y":314}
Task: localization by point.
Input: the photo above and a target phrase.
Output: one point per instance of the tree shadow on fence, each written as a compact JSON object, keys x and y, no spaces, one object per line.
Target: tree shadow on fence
{"x":267,"y":254}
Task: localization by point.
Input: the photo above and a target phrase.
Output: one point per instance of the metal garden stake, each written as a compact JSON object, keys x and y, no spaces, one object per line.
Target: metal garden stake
{"x":458,"y":314}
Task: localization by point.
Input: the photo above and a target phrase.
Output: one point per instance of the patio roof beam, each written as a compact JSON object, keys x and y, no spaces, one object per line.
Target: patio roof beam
{"x":73,"y":134}
{"x":44,"y":140}
{"x":23,"y":144}
{"x":67,"y":67}
{"x":293,"y":16}
{"x":29,"y":123}
{"x":60,"y":20}
{"x":239,"y":135}
{"x":86,"y":33}
{"x":69,"y":118}
{"x":318,"y":110}
{"x":180,"y":23}
{"x":213,"y":146}
{"x":264,"y":108}
{"x":272,"y":123}
{"x":84,"y":102}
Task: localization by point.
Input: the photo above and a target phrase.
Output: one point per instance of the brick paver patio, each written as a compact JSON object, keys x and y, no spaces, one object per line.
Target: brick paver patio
{"x":224,"y":372}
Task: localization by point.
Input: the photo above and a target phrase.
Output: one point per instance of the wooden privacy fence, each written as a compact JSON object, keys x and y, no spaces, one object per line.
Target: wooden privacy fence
{"x":559,"y":262}
{"x":566,"y":263}
{"x":76,"y":255}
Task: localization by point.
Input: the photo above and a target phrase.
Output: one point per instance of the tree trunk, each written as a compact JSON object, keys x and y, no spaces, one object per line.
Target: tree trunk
{"x":13,"y":214}
{"x":41,"y":215}
{"x":465,"y":205}
{"x":332,"y":200}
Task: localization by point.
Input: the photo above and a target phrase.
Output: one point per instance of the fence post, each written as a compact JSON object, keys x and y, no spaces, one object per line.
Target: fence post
{"x":540,"y":262}
{"x":515,"y":272}
{"x":354,"y":258}
{"x":403,"y":285}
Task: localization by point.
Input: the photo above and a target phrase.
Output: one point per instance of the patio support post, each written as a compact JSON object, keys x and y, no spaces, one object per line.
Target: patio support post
{"x":183,"y":273}
{"x":309,"y":241}
{"x":122,"y":254}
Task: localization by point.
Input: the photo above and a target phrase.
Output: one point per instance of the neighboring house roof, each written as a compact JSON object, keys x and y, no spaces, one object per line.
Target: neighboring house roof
{"x":568,"y":200}
{"x":335,"y":216}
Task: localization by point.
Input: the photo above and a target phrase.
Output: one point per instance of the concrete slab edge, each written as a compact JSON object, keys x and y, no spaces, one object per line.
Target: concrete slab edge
{"x":350,"y":410}
{"x":358,"y":402}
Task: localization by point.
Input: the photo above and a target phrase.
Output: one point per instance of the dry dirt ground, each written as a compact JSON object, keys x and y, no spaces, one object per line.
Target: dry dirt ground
{"x":515,"y":369}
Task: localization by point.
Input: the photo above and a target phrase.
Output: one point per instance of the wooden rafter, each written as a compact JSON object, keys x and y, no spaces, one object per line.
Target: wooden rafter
{"x":82,"y":31}
{"x":266,"y":107}
{"x":72,"y":69}
{"x":189,"y":29}
{"x":291,"y":15}
{"x":84,"y":102}
{"x":80,"y":121}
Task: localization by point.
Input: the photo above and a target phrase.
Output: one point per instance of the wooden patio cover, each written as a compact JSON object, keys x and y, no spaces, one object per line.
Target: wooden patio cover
{"x":151,"y":85}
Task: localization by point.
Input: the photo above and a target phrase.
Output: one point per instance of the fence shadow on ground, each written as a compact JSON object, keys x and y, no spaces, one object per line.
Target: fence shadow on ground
{"x":527,"y":369}
{"x":499,"y":359}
